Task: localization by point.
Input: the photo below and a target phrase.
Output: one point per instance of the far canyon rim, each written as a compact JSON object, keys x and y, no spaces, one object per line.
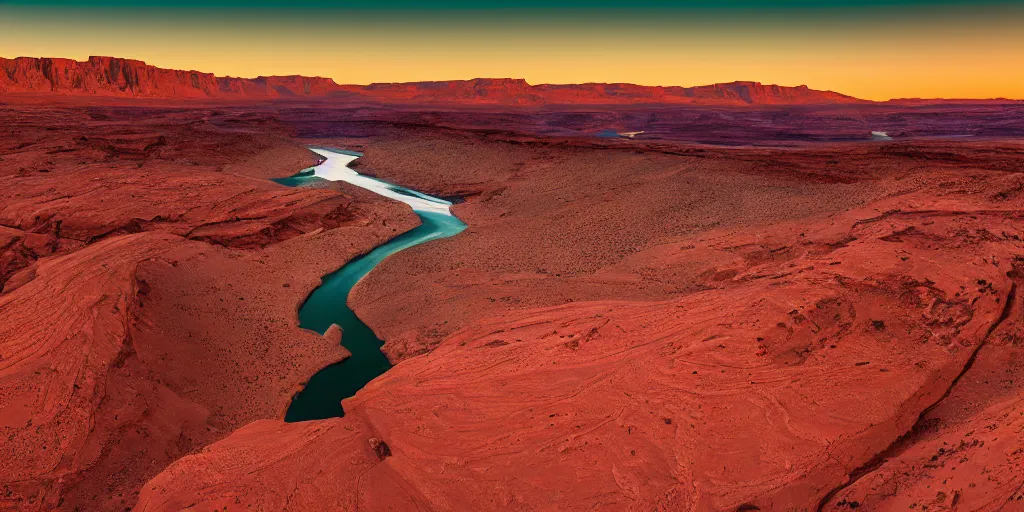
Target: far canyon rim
{"x":125,"y":78}
{"x":748,"y":305}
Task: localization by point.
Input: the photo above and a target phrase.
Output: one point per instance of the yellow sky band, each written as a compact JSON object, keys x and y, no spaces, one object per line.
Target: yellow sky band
{"x":944,"y":57}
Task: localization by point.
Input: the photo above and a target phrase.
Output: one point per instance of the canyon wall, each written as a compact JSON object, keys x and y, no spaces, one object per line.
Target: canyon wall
{"x":109,"y":76}
{"x":126,"y":78}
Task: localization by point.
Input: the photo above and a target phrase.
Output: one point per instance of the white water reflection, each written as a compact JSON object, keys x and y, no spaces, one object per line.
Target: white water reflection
{"x":335,"y":168}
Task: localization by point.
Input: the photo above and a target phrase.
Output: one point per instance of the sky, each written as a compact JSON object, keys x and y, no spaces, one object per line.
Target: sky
{"x":872,"y":49}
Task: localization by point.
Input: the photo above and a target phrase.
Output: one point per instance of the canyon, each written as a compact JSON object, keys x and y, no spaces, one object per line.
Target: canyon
{"x":748,"y":307}
{"x":151,"y":278}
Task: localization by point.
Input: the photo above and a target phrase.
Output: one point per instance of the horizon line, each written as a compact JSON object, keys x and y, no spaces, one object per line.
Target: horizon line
{"x":526,"y":81}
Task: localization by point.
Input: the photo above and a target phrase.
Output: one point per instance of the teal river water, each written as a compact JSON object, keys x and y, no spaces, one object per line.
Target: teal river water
{"x":321,"y":398}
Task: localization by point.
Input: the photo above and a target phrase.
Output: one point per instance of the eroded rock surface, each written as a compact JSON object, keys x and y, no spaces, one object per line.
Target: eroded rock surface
{"x":789,"y":355}
{"x":150,"y":296}
{"x":624,"y":325}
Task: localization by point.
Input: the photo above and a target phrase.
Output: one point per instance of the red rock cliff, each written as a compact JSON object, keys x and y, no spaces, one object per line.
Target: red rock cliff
{"x":108,"y":76}
{"x":113,"y":77}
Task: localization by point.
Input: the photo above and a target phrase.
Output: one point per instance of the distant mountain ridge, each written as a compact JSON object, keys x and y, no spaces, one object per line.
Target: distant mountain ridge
{"x":109,"y":76}
{"x":127,"y":78}
{"x":519,"y":92}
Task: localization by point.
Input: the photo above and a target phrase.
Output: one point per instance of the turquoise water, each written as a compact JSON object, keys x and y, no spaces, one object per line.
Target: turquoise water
{"x":321,"y":398}
{"x":302,"y":178}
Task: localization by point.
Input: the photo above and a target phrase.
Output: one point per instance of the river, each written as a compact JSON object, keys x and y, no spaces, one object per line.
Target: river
{"x":328,"y":304}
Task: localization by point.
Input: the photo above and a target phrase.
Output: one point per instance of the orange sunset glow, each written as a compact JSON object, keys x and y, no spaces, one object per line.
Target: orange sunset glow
{"x":873,"y":54}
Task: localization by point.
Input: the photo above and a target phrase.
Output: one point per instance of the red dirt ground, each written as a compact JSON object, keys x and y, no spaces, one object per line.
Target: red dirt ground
{"x":624,"y":325}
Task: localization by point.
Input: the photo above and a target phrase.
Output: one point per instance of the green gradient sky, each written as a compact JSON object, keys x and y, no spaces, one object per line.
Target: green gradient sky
{"x":876,"y":49}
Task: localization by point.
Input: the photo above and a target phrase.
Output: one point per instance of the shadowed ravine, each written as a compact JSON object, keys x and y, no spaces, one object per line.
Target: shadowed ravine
{"x":322,"y":395}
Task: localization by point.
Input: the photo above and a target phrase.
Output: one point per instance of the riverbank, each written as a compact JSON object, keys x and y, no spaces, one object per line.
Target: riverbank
{"x":328,"y":306}
{"x":151,"y":279}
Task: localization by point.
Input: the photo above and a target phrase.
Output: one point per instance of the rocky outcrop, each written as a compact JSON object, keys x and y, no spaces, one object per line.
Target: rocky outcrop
{"x":736,"y":330}
{"x":109,"y":76}
{"x":624,"y":325}
{"x":762,"y":393}
{"x":150,"y":282}
{"x":113,"y":77}
{"x":966,"y":452}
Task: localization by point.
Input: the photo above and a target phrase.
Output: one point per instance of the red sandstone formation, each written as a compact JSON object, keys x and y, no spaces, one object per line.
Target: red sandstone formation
{"x":149,"y":296}
{"x":624,"y":324}
{"x":809,"y":347}
{"x":559,"y":221}
{"x":108,"y":76}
